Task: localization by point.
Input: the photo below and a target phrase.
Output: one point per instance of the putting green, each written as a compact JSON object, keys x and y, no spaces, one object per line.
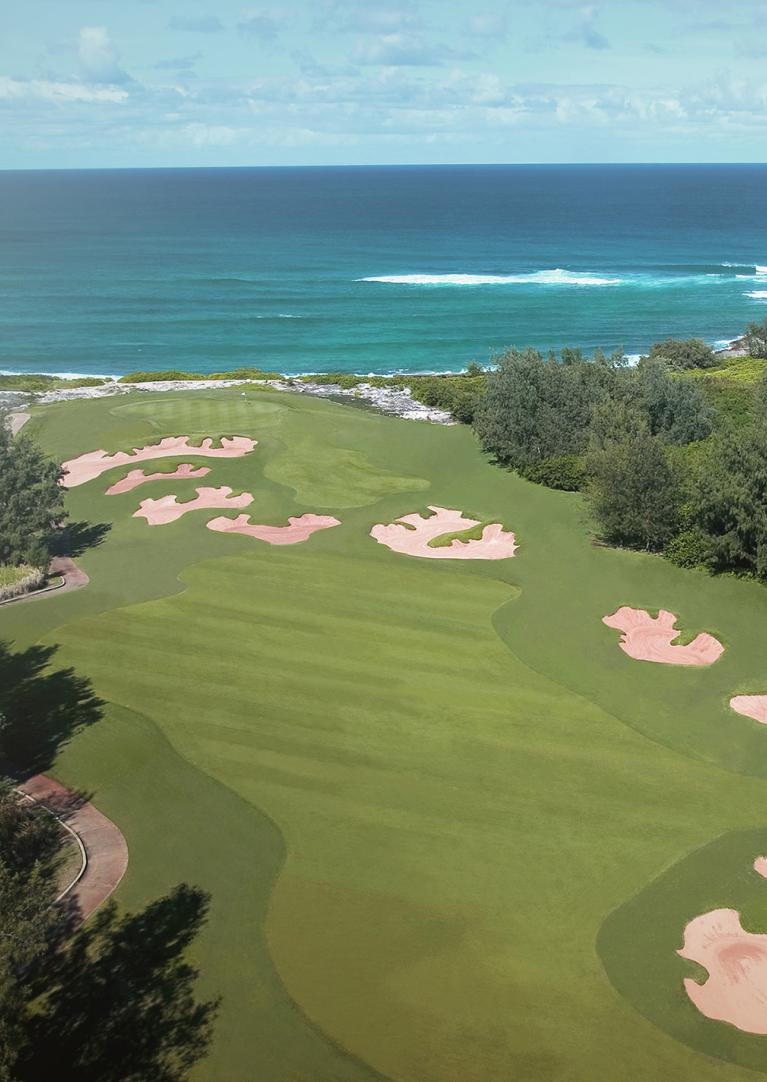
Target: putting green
{"x":416,"y":790}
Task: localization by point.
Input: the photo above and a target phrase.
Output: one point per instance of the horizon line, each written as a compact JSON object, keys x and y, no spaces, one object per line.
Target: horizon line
{"x":373,"y":165}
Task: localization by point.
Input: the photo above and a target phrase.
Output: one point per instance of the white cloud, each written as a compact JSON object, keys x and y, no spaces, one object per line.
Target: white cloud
{"x":99,"y":59}
{"x":406,"y":50}
{"x":48,"y":90}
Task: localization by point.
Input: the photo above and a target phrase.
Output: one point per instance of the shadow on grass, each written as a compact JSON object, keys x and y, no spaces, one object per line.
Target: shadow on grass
{"x":40,"y":708}
{"x":75,"y":538}
{"x":118,"y":1002}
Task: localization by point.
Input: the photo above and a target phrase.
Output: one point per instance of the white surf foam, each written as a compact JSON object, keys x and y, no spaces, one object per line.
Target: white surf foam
{"x":757,"y":294}
{"x":557,"y":277}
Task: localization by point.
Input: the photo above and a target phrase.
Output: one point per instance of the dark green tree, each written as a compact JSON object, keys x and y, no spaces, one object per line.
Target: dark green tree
{"x":536,"y":409}
{"x":687,"y":353}
{"x":676,"y":409}
{"x":728,"y":502}
{"x":634,"y":493}
{"x":31,"y":499}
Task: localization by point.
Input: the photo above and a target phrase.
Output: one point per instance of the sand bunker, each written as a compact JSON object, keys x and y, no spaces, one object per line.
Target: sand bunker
{"x":493,"y":545}
{"x":736,"y":960}
{"x":138,"y":477}
{"x":760,"y":866}
{"x":167,"y":508}
{"x":648,"y":638}
{"x":752,"y":706}
{"x":298,"y":529}
{"x":94,"y":463}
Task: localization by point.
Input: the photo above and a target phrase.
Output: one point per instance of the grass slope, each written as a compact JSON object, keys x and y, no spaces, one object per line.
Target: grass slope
{"x":415,"y":789}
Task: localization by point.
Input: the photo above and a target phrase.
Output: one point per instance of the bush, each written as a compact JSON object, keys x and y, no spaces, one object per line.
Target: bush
{"x":687,"y":549}
{"x":690,"y":353}
{"x":15,"y":581}
{"x":755,"y":339}
{"x":564,"y":472}
{"x":177,"y":374}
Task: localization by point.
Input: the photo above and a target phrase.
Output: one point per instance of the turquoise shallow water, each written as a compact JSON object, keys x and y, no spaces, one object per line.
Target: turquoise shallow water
{"x":371,"y":269}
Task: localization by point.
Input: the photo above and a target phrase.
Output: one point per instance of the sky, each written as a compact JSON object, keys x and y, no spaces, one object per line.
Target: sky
{"x":123,"y":83}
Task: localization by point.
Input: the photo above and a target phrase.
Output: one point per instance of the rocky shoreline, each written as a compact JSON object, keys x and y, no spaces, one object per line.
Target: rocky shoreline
{"x":389,"y":400}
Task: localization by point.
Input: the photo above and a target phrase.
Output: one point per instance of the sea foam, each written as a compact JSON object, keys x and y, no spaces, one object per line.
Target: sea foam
{"x":757,"y":294}
{"x":556,"y":277}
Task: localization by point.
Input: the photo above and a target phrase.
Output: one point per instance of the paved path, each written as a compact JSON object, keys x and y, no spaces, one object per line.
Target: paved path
{"x":74,"y":579}
{"x":18,"y":420}
{"x":104,"y":848}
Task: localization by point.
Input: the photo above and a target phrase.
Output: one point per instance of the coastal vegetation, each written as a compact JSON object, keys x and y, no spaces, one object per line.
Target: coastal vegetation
{"x":671,"y":454}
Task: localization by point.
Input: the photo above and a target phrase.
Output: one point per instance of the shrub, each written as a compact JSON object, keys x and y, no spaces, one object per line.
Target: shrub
{"x":15,"y":581}
{"x":755,"y":339}
{"x":687,"y":549}
{"x":177,"y":374}
{"x":564,"y":472}
{"x":690,"y":353}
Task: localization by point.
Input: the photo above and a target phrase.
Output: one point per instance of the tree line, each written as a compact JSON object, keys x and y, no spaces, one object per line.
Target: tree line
{"x":667,"y":462}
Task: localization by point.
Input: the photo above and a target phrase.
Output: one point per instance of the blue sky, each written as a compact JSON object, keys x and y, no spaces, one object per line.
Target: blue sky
{"x":189,"y":82}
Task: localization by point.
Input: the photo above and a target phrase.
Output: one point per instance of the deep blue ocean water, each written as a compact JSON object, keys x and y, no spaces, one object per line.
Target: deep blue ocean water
{"x":379,"y":269}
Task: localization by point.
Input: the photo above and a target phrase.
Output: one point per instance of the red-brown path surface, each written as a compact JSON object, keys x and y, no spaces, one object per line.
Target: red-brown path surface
{"x":106,"y":851}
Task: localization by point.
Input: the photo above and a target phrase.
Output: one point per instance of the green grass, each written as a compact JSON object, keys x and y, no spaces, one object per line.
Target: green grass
{"x":474,"y":533}
{"x":432,"y":800}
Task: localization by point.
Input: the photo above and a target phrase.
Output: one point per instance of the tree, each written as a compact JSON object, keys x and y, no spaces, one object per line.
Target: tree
{"x":689,"y":353}
{"x":755,"y":339}
{"x":728,"y":502}
{"x":114,"y":1001}
{"x":534,"y":409}
{"x":633,"y":492}
{"x":31,"y":499}
{"x":29,"y":843}
{"x":676,"y":409}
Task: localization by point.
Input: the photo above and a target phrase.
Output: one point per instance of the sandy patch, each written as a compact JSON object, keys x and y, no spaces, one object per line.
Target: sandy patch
{"x":298,"y":529}
{"x":648,"y":638}
{"x":736,"y":960}
{"x":760,"y":866}
{"x":94,"y":463}
{"x":168,"y":509}
{"x":493,"y":545}
{"x":138,"y":477}
{"x":752,"y":706}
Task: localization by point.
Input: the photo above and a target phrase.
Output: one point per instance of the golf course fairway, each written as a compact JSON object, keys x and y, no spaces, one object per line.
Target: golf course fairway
{"x":451,"y":832}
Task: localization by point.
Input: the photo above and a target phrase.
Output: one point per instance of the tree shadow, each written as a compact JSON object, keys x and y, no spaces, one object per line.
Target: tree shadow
{"x":74,"y":538}
{"x":118,"y":1002}
{"x":40,"y":709}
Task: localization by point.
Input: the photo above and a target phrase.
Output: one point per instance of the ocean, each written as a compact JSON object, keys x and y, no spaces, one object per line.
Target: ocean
{"x":371,"y":269}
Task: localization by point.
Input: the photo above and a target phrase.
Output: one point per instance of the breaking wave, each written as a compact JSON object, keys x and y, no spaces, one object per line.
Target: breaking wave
{"x":556,"y":277}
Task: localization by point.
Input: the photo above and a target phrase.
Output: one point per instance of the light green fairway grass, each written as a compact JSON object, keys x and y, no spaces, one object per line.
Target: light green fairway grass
{"x":429,"y":798}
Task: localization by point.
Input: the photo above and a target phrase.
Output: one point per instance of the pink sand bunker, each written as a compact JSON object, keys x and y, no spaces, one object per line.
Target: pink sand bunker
{"x":752,"y":706}
{"x":648,"y":638}
{"x":298,"y":529}
{"x":94,"y":463}
{"x":138,"y":477}
{"x":736,"y":988}
{"x":168,"y":509}
{"x":493,"y":545}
